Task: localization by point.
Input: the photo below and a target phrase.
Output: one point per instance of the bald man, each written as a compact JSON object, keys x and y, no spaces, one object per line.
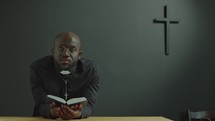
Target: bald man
{"x":64,"y":74}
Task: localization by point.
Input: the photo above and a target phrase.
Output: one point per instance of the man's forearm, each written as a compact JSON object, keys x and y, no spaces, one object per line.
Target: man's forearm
{"x":87,"y":111}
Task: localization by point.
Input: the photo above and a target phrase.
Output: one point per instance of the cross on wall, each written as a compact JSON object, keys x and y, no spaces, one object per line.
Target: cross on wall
{"x":166,"y":21}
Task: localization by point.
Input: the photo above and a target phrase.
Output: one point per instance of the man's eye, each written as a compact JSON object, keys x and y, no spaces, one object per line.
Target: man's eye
{"x":60,"y":49}
{"x":72,"y":49}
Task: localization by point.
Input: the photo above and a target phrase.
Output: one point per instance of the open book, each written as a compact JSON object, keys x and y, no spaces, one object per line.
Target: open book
{"x":71,"y":101}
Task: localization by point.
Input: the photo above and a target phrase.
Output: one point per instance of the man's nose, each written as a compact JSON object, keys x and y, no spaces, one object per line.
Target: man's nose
{"x":66,"y":52}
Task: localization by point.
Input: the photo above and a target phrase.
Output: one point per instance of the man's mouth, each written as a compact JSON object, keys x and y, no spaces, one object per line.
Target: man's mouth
{"x":64,"y":61}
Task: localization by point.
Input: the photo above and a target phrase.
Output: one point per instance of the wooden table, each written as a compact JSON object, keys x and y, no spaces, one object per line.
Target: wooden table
{"x":118,"y":118}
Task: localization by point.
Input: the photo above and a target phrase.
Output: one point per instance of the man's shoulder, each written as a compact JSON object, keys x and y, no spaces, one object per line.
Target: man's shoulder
{"x":89,"y":65}
{"x":46,"y":60}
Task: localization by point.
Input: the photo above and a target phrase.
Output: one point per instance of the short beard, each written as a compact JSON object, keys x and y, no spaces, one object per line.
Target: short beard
{"x":68,"y":68}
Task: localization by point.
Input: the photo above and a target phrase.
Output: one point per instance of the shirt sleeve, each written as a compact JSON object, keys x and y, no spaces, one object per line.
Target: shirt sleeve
{"x":91,"y":93}
{"x":42,"y":103}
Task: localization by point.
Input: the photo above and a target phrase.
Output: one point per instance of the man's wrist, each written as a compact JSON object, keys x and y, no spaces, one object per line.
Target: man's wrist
{"x":79,"y":116}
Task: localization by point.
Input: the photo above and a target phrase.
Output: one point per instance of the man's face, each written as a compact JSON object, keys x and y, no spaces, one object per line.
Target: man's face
{"x":66,"y":51}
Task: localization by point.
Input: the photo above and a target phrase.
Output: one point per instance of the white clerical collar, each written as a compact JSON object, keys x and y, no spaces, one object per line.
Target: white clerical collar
{"x":65,"y":72}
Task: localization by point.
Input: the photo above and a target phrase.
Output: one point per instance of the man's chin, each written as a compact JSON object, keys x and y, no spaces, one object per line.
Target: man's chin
{"x":64,"y":66}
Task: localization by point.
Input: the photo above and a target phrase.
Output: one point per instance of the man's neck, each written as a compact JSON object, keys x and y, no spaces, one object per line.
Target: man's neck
{"x":71,"y":69}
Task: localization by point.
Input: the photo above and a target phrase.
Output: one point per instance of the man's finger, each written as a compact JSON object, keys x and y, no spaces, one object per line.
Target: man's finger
{"x":53,"y":104}
{"x":62,"y":115}
{"x":68,"y":112}
{"x":80,"y":108}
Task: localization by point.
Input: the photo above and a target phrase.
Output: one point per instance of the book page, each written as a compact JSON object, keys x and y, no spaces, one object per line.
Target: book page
{"x":77,"y":100}
{"x":57,"y":98}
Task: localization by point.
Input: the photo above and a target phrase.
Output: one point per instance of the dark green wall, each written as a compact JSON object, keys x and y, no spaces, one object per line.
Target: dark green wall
{"x":137,"y":78}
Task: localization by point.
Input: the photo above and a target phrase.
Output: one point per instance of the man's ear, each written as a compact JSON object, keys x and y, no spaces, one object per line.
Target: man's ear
{"x":52,"y":51}
{"x":80,"y":54}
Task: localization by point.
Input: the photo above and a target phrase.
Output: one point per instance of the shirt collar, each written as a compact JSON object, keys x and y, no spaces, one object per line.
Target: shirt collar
{"x":77,"y":68}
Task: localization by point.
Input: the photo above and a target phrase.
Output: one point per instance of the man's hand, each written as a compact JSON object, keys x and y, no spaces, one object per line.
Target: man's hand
{"x":70,"y":112}
{"x":54,"y":112}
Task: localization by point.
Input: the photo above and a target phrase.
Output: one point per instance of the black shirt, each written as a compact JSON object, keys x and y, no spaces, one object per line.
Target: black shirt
{"x":45,"y":79}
